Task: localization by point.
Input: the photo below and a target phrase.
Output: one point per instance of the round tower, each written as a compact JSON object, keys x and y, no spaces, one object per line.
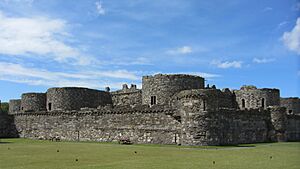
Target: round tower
{"x":160,"y":88}
{"x":14,"y":106}
{"x":197,"y":117}
{"x":74,"y":98}
{"x":33,"y":102}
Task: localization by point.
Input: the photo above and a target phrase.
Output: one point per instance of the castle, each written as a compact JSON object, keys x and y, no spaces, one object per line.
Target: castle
{"x":169,"y":109}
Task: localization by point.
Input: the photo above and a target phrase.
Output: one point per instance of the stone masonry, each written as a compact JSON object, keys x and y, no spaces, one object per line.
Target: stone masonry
{"x":169,"y":109}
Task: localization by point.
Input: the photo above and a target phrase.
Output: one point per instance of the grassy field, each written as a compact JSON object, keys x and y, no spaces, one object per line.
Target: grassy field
{"x":29,"y":154}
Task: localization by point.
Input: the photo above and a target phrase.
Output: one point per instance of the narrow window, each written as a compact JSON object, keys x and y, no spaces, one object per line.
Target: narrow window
{"x":153,"y":100}
{"x":243,"y":103}
{"x":175,"y":138}
{"x":263,"y":103}
{"x":49,"y":106}
{"x":204,"y":105}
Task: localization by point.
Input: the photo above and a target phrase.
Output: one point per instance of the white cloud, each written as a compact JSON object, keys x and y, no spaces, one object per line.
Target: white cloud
{"x":181,"y":50}
{"x":201,"y":74}
{"x":38,"y":37}
{"x":263,"y":60}
{"x":267,"y":9}
{"x":99,"y":8}
{"x":227,"y":64}
{"x":32,"y":76}
{"x":128,"y":61}
{"x":281,"y":24}
{"x":27,"y":2}
{"x":292,"y":39}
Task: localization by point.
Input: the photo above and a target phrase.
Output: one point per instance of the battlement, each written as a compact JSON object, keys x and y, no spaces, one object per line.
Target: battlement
{"x":126,"y":90}
{"x":127,"y":96}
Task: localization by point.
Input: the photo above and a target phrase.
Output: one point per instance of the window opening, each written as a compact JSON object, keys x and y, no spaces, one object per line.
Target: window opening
{"x":153,"y":100}
{"x":243,"y":103}
{"x":49,"y":106}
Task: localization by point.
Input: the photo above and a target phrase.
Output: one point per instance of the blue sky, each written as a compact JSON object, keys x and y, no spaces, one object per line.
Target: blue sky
{"x":92,"y":43}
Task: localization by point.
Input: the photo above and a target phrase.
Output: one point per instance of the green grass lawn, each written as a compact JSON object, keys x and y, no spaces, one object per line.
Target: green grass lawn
{"x":30,"y":154}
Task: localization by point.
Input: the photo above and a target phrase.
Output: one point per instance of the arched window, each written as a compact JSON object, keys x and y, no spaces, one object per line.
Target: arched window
{"x":243,"y":103}
{"x":263,"y":103}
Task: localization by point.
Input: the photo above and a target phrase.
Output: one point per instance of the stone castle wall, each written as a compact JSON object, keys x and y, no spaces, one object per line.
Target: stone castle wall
{"x":212,"y":99}
{"x":292,"y":105}
{"x":207,"y":125}
{"x":31,"y":102}
{"x":7,"y":127}
{"x":163,"y":87}
{"x":293,"y":128}
{"x":256,"y":98}
{"x":150,"y":125}
{"x":279,"y":121}
{"x":127,"y":96}
{"x":14,"y":105}
{"x":74,"y":98}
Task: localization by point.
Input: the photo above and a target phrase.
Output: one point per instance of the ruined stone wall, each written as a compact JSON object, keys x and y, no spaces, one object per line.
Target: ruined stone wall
{"x":149,"y":125}
{"x":257,"y":98}
{"x":33,"y":102}
{"x":14,"y":106}
{"x":208,"y":125}
{"x":7,"y":127}
{"x":242,"y":126}
{"x":293,"y":128}
{"x":163,"y":87}
{"x":292,"y":105}
{"x":127,"y":96}
{"x":211,"y":99}
{"x":74,"y":98}
{"x":279,"y":122}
